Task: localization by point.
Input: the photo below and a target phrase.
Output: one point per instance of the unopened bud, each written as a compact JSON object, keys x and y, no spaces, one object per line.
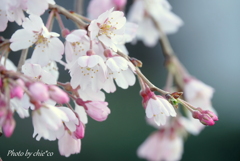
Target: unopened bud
{"x":211,"y":114}
{"x":98,"y":110}
{"x":58,"y":95}
{"x":16,"y":92}
{"x":39,"y":91}
{"x":196,"y":114}
{"x":207,"y":120}
{"x":9,"y":127}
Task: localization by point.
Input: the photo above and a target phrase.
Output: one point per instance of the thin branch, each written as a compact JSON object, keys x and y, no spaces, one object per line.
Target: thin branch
{"x":22,"y":59}
{"x":142,"y":76}
{"x":68,"y":14}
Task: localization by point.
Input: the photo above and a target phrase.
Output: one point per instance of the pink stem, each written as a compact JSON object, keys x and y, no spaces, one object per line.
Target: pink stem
{"x":59,"y":19}
{"x":50,"y":19}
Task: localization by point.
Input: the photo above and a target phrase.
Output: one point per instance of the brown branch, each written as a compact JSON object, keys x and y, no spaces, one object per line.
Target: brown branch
{"x":68,"y":14}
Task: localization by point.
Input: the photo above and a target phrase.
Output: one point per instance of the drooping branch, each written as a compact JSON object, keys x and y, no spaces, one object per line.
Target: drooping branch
{"x":69,"y":15}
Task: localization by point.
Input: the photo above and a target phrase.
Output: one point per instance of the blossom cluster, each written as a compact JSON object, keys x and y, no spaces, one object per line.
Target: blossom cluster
{"x":97,"y":60}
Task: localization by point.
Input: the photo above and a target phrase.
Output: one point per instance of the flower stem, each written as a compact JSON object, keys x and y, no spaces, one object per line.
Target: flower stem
{"x":50,"y":20}
{"x":59,"y":19}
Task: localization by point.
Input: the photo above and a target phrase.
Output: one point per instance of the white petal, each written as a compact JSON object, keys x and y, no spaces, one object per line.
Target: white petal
{"x":33,"y":23}
{"x":22,"y":39}
{"x":83,"y":61}
{"x":32,"y":70}
{"x":3,"y":20}
{"x":37,"y":7}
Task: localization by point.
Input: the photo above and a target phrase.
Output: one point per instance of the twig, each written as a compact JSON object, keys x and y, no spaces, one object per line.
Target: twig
{"x":68,"y":14}
{"x":22,"y":59}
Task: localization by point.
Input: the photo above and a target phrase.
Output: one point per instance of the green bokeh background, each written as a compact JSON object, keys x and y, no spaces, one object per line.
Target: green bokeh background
{"x":208,"y":45}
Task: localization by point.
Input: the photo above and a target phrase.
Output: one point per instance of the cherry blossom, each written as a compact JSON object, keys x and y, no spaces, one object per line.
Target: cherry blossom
{"x":68,"y":145}
{"x":161,"y":146}
{"x":120,"y":71}
{"x":77,"y":44}
{"x":141,"y":12}
{"x":42,"y":5}
{"x":18,"y":106}
{"x":156,"y":107}
{"x":108,"y":28}
{"x":47,"y":74}
{"x":88,"y":70}
{"x":159,"y":108}
{"x":48,"y":46}
{"x":12,"y":10}
{"x":46,"y":119}
{"x":198,"y":94}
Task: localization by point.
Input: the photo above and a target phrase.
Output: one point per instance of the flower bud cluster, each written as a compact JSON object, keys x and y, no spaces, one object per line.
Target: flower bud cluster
{"x":206,"y":117}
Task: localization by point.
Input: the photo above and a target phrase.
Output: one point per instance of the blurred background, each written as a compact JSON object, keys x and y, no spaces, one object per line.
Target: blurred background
{"x":208,"y":45}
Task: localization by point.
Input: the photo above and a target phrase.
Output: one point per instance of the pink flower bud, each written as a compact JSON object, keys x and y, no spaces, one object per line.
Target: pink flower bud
{"x":207,"y":120}
{"x":211,"y":114}
{"x":80,"y":131}
{"x":16,"y":92}
{"x":98,"y":110}
{"x":119,"y":3}
{"x":58,"y":95}
{"x":9,"y":127}
{"x":196,"y":114}
{"x":39,"y":91}
{"x":65,"y":32}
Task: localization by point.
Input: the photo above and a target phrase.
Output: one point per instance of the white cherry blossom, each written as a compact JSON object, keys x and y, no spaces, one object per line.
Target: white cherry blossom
{"x":159,"y":108}
{"x":77,"y":44}
{"x":17,"y":105}
{"x":46,"y":120}
{"x":118,"y":70}
{"x":37,"y":7}
{"x":48,"y":74}
{"x":13,"y":10}
{"x":68,"y":145}
{"x":89,"y":94}
{"x":160,"y":146}
{"x":48,"y":46}
{"x":88,"y":70}
{"x":108,"y":28}
{"x":141,"y":12}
